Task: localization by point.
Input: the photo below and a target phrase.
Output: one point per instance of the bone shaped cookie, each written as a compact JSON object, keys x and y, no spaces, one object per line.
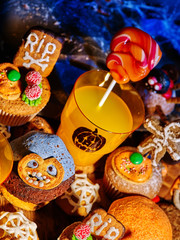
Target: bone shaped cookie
{"x":163,"y":139}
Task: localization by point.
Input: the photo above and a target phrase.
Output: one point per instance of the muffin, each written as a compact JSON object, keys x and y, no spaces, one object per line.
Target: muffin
{"x":142,"y":218}
{"x":43,"y":170}
{"x":14,"y":225}
{"x":127,"y":172}
{"x":18,"y":112}
{"x":80,"y":198}
{"x":34,"y":60}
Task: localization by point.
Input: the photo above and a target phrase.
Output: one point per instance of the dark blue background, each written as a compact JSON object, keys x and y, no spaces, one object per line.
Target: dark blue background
{"x":87,"y":27}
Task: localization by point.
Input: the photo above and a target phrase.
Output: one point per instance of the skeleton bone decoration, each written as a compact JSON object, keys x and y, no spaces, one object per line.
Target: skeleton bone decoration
{"x":162,"y":139}
{"x":39,"y":51}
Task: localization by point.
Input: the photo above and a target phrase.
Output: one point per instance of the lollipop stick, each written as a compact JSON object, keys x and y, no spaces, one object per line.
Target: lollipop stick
{"x":105,"y":96}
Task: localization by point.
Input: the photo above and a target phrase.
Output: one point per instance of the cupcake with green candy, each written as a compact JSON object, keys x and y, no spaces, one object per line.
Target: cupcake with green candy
{"x":76,"y":231}
{"x":33,"y":95}
{"x":38,"y":53}
{"x":128,"y":172}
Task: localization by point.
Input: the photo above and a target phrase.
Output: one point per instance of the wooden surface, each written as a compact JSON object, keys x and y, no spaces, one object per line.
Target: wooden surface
{"x":51,"y":220}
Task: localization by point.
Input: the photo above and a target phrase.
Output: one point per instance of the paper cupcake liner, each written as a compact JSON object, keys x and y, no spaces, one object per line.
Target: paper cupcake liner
{"x":14,"y":120}
{"x":110,"y":190}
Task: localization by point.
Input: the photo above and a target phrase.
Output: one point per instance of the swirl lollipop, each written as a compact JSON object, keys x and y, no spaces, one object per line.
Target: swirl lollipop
{"x":134,"y":54}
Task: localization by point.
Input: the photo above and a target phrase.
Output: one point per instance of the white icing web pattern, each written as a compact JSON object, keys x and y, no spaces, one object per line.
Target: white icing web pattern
{"x":162,"y":140}
{"x":18,"y":225}
{"x":84,"y":191}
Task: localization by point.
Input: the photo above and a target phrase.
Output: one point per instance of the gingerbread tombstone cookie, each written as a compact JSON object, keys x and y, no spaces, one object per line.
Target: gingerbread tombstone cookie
{"x":103,"y":225}
{"x":39,"y":51}
{"x":163,"y":138}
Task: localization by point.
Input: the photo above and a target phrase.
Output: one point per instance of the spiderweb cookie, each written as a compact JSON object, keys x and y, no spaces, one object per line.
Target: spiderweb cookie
{"x":15,"y":225}
{"x":80,"y":198}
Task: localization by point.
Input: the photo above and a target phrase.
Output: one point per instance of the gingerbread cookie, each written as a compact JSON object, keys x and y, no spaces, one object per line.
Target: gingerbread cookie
{"x":14,"y":225}
{"x":39,"y":51}
{"x":40,"y":173}
{"x":104,"y":225}
{"x":163,"y":138}
{"x":10,"y":84}
{"x":80,"y":198}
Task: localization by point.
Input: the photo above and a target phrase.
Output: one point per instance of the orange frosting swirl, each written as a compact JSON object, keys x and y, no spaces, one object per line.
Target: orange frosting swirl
{"x":134,"y":54}
{"x":137,"y":173}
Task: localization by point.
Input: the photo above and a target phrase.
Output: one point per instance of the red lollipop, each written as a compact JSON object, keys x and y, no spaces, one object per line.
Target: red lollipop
{"x":133,"y":54}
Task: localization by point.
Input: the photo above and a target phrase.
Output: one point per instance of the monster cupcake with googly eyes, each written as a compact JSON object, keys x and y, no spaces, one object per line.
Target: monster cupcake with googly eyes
{"x":127,"y":172}
{"x":43,"y":170}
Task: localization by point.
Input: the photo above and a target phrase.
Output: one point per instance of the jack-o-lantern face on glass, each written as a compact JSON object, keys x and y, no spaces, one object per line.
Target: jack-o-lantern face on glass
{"x":88,"y":140}
{"x":40,"y":173}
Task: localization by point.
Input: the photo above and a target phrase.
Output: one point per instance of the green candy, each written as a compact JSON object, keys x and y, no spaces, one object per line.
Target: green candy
{"x":136,"y":158}
{"x":13,"y":75}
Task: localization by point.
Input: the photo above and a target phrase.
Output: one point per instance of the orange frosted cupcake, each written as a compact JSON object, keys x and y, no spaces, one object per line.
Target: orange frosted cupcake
{"x":23,"y":97}
{"x":128,"y":172}
{"x":18,"y":111}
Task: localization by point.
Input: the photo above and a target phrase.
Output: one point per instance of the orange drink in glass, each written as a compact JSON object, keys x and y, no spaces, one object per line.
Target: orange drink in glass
{"x":6,"y":158}
{"x":90,"y":131}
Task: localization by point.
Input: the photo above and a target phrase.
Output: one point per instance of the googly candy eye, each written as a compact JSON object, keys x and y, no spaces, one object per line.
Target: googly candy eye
{"x":158,"y":86}
{"x":33,"y":164}
{"x":52,"y":170}
{"x":152,"y":80}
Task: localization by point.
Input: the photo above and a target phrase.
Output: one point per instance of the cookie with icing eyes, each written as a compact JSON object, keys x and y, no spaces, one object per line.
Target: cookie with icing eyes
{"x":43,"y":170}
{"x":40,"y":173}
